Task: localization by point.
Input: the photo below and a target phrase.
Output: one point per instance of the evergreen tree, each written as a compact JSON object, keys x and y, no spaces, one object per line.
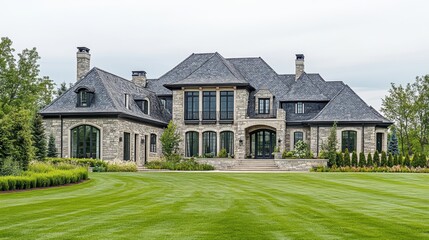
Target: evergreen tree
{"x":369,"y":161}
{"x":423,"y":160}
{"x":415,"y":160}
{"x":407,"y":161}
{"x":332,"y":146}
{"x":393,"y":146}
{"x":383,"y":162}
{"x":362,"y":160}
{"x":390,"y":160}
{"x":401,"y":160}
{"x":39,"y":138}
{"x":354,"y":159}
{"x":340,"y":159}
{"x":396,"y":160}
{"x":376,"y":159}
{"x":52,"y":150}
{"x":346,"y":158}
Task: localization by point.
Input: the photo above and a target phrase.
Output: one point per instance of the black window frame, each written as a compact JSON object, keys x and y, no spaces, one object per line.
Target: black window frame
{"x":210,"y":142}
{"x":297,"y":138}
{"x":81,"y":137}
{"x":227,"y":141}
{"x":192,"y":144}
{"x":84,"y":98}
{"x":191,"y":110}
{"x":349,"y":140}
{"x":209,"y":105}
{"x":299,"y":108}
{"x":127,"y":146}
{"x":152,"y":146}
{"x":226,"y":105}
{"x":263,"y":106}
{"x":379,"y":142}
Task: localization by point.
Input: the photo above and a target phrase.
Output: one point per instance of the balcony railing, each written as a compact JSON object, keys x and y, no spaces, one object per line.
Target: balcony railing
{"x":196,"y":117}
{"x":272,"y":113}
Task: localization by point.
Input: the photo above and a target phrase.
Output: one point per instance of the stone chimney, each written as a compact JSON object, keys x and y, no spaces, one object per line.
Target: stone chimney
{"x":83,"y":60}
{"x":299,"y":65}
{"x":139,"y":78}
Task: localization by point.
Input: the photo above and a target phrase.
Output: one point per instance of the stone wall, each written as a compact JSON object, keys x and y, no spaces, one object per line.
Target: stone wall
{"x":111,"y":130}
{"x":300,"y":164}
{"x":219,"y":163}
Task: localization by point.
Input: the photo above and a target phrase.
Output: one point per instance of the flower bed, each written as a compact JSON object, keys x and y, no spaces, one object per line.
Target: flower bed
{"x":97,"y":165}
{"x":397,"y":169}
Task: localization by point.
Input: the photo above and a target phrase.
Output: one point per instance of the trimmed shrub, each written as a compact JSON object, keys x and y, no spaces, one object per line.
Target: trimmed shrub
{"x":397,"y":169}
{"x":383,"y":162}
{"x":287,"y":154}
{"x":362,"y":160}
{"x":396,"y":160}
{"x":423,"y":160}
{"x":390,"y":160}
{"x":407,"y":162}
{"x":184,"y":165}
{"x":354,"y":159}
{"x":346,"y":158}
{"x":401,"y":159}
{"x":376,"y":159}
{"x":222,"y":153}
{"x":10,"y":167}
{"x":340,"y":159}
{"x":369,"y":161}
{"x":121,"y":167}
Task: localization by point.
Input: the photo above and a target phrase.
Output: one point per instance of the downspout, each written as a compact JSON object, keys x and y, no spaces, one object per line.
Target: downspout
{"x":62,"y":125}
{"x":363,"y":138}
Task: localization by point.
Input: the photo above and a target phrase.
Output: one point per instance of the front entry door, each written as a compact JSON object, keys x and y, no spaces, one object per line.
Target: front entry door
{"x":263,"y":143}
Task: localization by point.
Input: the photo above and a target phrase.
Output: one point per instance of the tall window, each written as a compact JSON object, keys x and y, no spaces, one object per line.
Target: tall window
{"x":297,"y":136}
{"x":85,"y":142}
{"x":209,"y":105}
{"x":191,"y":105}
{"x":192,"y":144}
{"x":299,"y":107}
{"x":127,"y":101}
{"x":264,"y":106}
{"x":379,"y":143}
{"x":227,"y":142}
{"x":127,"y":146}
{"x":152,"y":142}
{"x":226,"y":105}
{"x":209,"y":143}
{"x":349,"y":140}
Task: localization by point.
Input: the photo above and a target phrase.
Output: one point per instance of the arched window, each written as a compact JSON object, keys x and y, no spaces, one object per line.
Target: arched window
{"x":209,"y":143}
{"x":85,"y":142}
{"x":297,"y":136}
{"x":227,"y":142}
{"x":349,"y":139}
{"x":192,"y":144}
{"x":84,"y":96}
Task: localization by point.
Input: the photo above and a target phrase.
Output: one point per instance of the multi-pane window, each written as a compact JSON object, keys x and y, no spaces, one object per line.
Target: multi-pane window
{"x":209,"y":143}
{"x":84,"y":98}
{"x":192,"y":144}
{"x":209,"y":105}
{"x":227,"y":142}
{"x":264,"y":106}
{"x":349,"y":139}
{"x":152,"y":142}
{"x":127,"y":146}
{"x":297,"y":136}
{"x":379,"y":143}
{"x":85,"y":142}
{"x":191,"y":105}
{"x":226,"y":105}
{"x":299,"y":107}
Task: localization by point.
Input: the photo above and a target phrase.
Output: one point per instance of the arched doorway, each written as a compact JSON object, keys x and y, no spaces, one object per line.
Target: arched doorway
{"x":262,"y":143}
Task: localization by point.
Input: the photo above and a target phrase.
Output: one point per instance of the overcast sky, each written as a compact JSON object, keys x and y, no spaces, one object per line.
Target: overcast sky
{"x":366,"y":44}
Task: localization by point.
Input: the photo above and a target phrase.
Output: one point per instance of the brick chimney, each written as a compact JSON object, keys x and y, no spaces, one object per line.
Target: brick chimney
{"x":299,"y":65}
{"x":139,"y":78}
{"x":83,"y":62}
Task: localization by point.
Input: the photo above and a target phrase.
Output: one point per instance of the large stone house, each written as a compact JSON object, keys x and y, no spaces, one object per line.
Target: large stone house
{"x":238,"y":104}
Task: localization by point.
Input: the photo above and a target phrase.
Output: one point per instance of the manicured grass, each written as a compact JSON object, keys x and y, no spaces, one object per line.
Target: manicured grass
{"x":223,"y":206}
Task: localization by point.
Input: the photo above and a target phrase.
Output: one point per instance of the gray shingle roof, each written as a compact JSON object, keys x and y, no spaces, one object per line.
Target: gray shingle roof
{"x":109,"y":98}
{"x":306,"y":88}
{"x":347,"y":106}
{"x":215,"y":71}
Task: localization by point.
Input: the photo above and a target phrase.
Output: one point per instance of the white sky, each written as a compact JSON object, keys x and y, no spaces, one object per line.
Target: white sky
{"x":366,"y":44}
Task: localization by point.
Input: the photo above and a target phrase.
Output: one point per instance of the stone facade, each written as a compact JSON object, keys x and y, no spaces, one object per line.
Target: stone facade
{"x":111,"y":135}
{"x":300,"y":164}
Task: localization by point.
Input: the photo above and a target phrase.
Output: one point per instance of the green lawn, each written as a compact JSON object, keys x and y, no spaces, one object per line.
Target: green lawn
{"x":223,"y":206}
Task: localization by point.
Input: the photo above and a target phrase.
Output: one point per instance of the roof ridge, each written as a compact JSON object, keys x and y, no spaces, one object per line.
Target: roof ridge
{"x":242,"y":58}
{"x":226,"y":63}
{"x":176,"y":66}
{"x":199,"y":66}
{"x":107,"y":91}
{"x":329,"y":103}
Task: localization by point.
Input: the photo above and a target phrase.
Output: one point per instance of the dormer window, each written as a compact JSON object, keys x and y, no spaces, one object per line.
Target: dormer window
{"x":299,"y":107}
{"x":84,"y":96}
{"x":143,"y":105}
{"x":264,"y":106}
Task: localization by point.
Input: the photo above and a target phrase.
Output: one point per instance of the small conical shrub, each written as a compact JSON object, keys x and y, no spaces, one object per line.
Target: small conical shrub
{"x":407,"y":161}
{"x":423,"y":160}
{"x":401,"y":159}
{"x":369,"y":161}
{"x":376,"y":159}
{"x":354,"y":159}
{"x":346,"y":158}
{"x":395,"y":160}
{"x":383,"y":162}
{"x":362,"y":160}
{"x":390,"y":160}
{"x":340,"y":160}
{"x":52,"y":150}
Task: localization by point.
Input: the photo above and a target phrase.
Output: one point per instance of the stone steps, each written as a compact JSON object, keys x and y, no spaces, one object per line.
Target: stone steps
{"x":255,"y":165}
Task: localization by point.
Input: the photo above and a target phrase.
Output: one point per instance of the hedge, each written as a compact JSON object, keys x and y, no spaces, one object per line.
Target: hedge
{"x":397,"y":168}
{"x":45,"y":179}
{"x":184,"y":165}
